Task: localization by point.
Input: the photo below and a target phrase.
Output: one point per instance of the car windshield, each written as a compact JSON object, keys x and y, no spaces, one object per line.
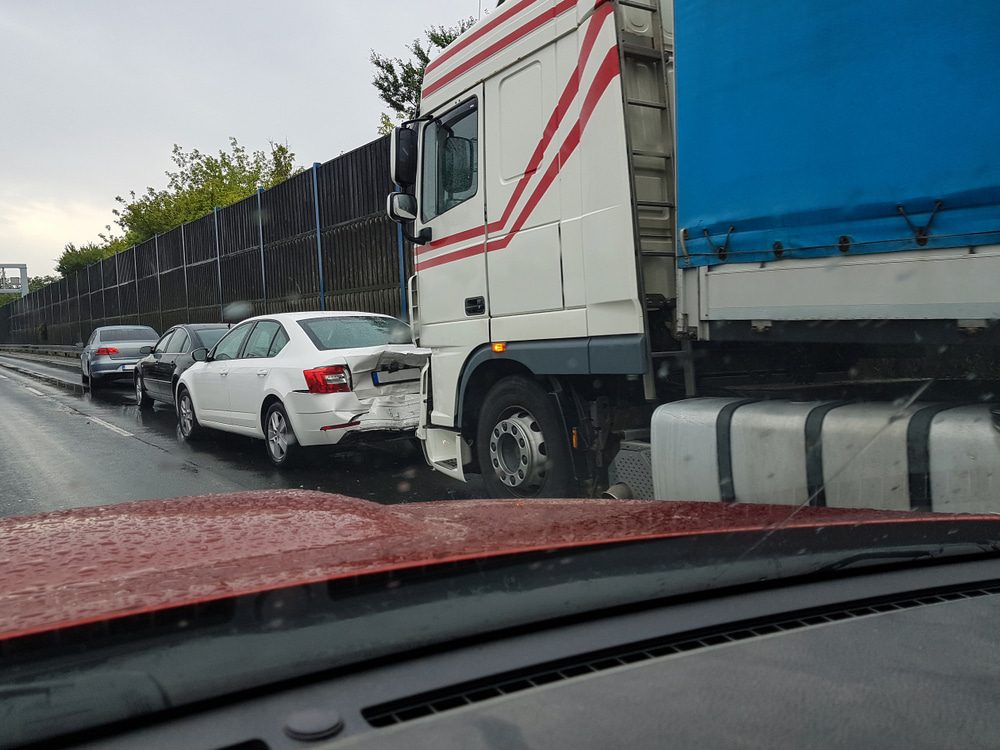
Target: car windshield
{"x":354,"y":332}
{"x":342,"y":332}
{"x":128,"y":334}
{"x":210,"y":336}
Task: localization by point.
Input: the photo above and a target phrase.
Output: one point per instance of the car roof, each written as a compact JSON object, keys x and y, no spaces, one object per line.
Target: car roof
{"x":294,"y":316}
{"x":202,"y":326}
{"x":131,"y":325}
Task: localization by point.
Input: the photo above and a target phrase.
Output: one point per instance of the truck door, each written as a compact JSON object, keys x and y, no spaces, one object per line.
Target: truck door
{"x":452,"y":207}
{"x":450,"y":302}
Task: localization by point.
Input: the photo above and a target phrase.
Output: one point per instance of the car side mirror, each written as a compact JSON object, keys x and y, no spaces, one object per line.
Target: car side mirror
{"x":403,"y":156}
{"x":145,"y":350}
{"x":200,"y":354}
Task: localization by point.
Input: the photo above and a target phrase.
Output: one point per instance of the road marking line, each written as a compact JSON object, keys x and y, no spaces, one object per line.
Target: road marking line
{"x":33,"y":390}
{"x":113,"y":428}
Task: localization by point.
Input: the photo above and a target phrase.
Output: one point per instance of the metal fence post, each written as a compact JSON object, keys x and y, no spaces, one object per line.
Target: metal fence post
{"x":118,"y":285}
{"x":319,"y":242}
{"x":159,"y":288}
{"x":184,"y":265}
{"x":104,"y":299}
{"x":218,"y":261}
{"x":135,"y":268}
{"x":260,"y":238}
{"x":79,"y":307}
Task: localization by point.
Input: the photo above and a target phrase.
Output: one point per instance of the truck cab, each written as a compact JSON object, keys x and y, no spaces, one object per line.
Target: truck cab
{"x":594,"y":235}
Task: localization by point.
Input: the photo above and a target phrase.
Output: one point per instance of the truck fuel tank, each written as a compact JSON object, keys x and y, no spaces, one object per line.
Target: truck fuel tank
{"x":924,"y":456}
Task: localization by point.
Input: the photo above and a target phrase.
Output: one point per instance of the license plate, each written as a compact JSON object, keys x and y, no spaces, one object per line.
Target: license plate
{"x":126,"y":368}
{"x":400,"y":376}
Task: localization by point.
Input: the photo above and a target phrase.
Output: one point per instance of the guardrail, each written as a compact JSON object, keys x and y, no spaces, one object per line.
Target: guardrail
{"x":70,"y":352}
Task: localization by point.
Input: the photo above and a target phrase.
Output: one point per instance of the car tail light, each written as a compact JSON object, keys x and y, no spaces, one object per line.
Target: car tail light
{"x":107,"y":350}
{"x":332,"y":379}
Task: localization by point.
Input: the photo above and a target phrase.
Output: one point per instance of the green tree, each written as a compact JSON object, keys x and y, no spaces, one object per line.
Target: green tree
{"x":34,"y":284}
{"x":37,"y":282}
{"x":398,"y":81}
{"x":385,"y":124}
{"x":198,"y":183}
{"x":76,"y":258}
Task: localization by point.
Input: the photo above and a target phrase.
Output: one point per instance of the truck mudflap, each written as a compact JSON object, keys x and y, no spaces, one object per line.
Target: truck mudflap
{"x":942,"y":457}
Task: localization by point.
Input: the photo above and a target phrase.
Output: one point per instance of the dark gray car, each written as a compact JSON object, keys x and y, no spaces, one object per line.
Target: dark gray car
{"x":112,"y":351}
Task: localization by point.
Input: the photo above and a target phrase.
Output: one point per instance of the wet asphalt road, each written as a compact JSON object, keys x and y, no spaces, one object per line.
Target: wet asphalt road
{"x":63,"y":449}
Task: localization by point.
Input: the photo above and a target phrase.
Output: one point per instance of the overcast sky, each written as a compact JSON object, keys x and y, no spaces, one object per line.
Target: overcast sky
{"x":94,"y":94}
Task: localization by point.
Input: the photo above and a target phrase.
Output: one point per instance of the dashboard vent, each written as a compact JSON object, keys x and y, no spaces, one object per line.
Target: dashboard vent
{"x":466,"y":693}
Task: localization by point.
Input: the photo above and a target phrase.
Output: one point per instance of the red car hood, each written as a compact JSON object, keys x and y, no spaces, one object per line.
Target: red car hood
{"x":91,"y":564}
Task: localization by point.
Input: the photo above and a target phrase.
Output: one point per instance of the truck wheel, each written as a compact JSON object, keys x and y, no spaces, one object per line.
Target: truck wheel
{"x":521,"y":443}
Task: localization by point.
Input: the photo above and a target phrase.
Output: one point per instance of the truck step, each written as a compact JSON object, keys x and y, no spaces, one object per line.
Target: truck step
{"x":638,"y":5}
{"x":646,"y":53}
{"x":651,"y":154}
{"x":654,"y":204}
{"x":647,"y":103}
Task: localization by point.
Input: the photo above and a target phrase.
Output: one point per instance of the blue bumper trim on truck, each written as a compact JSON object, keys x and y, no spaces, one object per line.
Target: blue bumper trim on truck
{"x":855,"y":127}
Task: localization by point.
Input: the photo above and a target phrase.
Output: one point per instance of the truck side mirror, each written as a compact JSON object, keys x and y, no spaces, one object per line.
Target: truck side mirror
{"x":403,"y":156}
{"x":401,"y":207}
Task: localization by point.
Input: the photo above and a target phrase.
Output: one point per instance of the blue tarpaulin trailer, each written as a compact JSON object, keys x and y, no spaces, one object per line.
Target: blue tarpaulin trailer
{"x":809,"y":129}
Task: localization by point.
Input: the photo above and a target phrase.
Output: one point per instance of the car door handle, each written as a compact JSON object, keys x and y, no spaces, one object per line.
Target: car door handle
{"x":223,"y":373}
{"x":262,"y":373}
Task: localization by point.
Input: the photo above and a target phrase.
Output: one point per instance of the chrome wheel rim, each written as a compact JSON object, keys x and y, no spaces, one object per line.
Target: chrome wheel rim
{"x":187,"y":414}
{"x":517,"y":451}
{"x":277,"y":436}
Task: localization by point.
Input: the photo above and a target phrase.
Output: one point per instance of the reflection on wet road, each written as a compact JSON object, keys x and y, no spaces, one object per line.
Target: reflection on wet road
{"x":60,"y":450}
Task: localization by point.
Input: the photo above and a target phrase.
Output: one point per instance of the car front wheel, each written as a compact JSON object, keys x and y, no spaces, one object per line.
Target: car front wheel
{"x":283,"y":448}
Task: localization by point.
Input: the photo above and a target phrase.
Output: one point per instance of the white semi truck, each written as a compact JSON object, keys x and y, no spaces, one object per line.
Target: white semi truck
{"x":758,"y":261}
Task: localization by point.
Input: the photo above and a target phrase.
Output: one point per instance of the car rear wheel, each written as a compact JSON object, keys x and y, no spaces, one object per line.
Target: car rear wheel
{"x":186,"y":418}
{"x":141,"y":397}
{"x":283,"y":448}
{"x":521,"y":443}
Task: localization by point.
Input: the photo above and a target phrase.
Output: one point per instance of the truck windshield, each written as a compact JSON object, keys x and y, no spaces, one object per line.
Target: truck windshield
{"x":349,"y":331}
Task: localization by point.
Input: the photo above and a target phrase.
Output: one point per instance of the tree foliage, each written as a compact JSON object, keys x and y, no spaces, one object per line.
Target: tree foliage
{"x":198,"y":183}
{"x":76,"y":258}
{"x":398,"y":81}
{"x":34,"y":284}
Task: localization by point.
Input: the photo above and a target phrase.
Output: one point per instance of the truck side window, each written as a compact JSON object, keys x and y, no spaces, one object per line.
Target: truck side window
{"x":450,"y":173}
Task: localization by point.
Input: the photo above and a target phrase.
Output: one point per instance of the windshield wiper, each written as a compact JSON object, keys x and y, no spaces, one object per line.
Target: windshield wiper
{"x":864,"y":559}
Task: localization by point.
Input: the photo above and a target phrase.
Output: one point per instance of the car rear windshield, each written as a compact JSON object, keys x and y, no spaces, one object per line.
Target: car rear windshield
{"x":210,"y":336}
{"x":350,"y":331}
{"x":129,"y":334}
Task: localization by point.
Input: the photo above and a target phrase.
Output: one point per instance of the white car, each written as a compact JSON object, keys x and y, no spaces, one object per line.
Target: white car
{"x":305,"y":379}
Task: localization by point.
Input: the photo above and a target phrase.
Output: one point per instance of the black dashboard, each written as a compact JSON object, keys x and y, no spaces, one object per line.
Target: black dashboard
{"x":904,"y":658}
